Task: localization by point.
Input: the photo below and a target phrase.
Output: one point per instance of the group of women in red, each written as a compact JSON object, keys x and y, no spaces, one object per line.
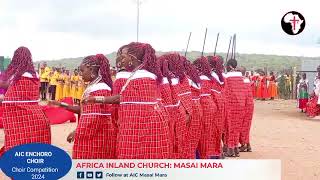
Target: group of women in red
{"x":157,"y":108}
{"x":263,"y":86}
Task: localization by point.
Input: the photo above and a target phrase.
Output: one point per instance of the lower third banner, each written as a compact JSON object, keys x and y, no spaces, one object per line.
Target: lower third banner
{"x":176,"y":169}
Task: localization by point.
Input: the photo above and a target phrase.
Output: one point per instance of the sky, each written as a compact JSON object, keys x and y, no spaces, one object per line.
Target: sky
{"x":55,"y":29}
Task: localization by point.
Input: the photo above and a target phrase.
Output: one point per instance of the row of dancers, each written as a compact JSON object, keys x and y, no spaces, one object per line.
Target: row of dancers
{"x":157,"y":107}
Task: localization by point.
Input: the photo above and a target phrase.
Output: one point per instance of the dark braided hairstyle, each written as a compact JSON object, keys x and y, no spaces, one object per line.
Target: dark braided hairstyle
{"x":21,"y":63}
{"x":203,"y":66}
{"x":216,"y":63}
{"x":146,"y":55}
{"x":164,"y":66}
{"x":191,"y":70}
{"x":101,"y":63}
{"x":175,"y":65}
{"x":232,"y":64}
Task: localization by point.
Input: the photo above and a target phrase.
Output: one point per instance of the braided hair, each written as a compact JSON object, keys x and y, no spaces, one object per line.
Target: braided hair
{"x":216,"y":63}
{"x":175,"y":65}
{"x":164,"y":66}
{"x":101,"y":63}
{"x":146,"y":55}
{"x":191,"y":70}
{"x":21,"y":63}
{"x":203,"y":66}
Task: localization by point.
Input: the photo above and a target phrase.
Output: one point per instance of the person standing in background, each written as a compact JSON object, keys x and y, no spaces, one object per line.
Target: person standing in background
{"x":287,"y":85}
{"x":313,"y":108}
{"x":272,"y":87}
{"x":80,"y":89}
{"x":44,"y":80}
{"x":253,"y":79}
{"x":74,"y":81}
{"x":53,"y":83}
{"x":59,"y":88}
{"x":281,"y":86}
{"x":67,"y":84}
{"x":302,"y":95}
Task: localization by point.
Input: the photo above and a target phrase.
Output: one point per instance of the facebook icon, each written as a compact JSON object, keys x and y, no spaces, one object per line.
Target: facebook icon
{"x":80,"y":175}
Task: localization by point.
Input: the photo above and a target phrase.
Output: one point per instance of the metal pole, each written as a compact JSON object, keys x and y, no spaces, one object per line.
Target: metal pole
{"x":215,"y":47}
{"x":228,"y":49}
{"x":185,"y":54}
{"x":204,"y":41}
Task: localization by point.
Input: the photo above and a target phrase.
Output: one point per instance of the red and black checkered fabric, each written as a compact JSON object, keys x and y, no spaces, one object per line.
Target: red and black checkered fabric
{"x":143,"y":130}
{"x":96,"y":133}
{"x":24,"y":122}
{"x":210,"y":139}
{"x":235,"y":93}
{"x":247,"y":119}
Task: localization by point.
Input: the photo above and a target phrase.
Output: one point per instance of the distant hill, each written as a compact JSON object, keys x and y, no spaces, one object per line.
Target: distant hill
{"x":250,"y":61}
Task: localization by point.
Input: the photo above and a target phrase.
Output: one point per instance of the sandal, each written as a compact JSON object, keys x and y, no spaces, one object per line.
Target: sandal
{"x":229,"y":153}
{"x":222,"y":156}
{"x":249,"y":148}
{"x":236,"y":152}
{"x":243,"y":148}
{"x":224,"y":148}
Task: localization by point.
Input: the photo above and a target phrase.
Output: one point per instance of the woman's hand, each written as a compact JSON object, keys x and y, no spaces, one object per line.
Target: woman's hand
{"x":70,"y":137}
{"x":115,"y":99}
{"x":90,"y":99}
{"x":54,"y":103}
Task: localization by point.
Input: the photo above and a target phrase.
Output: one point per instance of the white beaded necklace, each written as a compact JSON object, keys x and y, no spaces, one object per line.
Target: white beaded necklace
{"x":94,"y":82}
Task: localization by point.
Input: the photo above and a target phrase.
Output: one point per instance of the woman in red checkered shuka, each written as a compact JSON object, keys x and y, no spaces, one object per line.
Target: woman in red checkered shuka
{"x":96,"y":133}
{"x":235,"y":107}
{"x":180,"y":107}
{"x":210,"y":142}
{"x":217,"y":91}
{"x":143,"y":126}
{"x":195,"y":127}
{"x":23,"y":119}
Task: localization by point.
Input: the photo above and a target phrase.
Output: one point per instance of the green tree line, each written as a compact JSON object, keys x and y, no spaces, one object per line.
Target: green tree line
{"x":250,"y":61}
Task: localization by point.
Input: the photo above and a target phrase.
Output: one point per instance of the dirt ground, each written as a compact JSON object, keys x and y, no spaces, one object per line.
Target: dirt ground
{"x":279,"y":131}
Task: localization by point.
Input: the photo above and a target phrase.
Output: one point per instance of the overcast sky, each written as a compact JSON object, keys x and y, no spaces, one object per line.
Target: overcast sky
{"x":54,"y":29}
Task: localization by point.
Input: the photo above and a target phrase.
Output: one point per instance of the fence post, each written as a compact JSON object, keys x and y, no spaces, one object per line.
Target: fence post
{"x":294,"y":88}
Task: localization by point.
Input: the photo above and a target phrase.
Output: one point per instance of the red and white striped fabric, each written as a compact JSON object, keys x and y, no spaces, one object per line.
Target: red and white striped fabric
{"x":210,"y":140}
{"x":235,"y":92}
{"x":96,"y":133}
{"x":23,"y":119}
{"x":194,"y":132}
{"x":246,"y":124}
{"x":143,"y":130}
